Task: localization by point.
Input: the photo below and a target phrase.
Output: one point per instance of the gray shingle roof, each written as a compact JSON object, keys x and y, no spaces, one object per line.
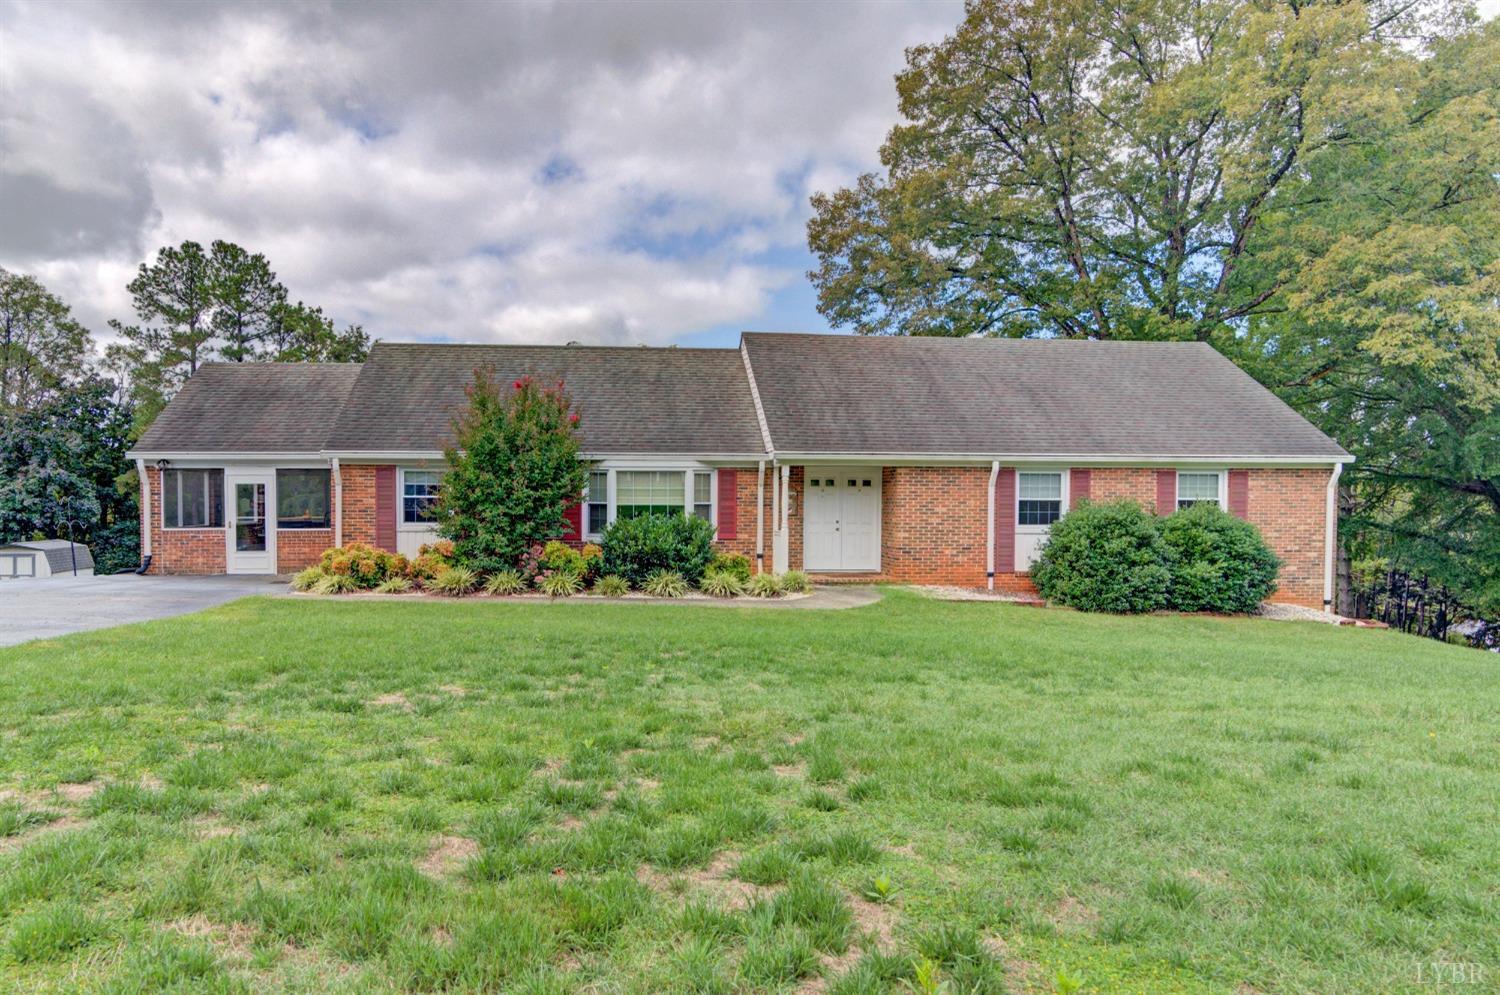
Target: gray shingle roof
{"x":253,"y":408}
{"x":631,"y":400}
{"x":60,"y":553}
{"x":930,"y":396}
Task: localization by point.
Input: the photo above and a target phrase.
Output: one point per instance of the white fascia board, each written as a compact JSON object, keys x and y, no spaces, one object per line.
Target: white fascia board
{"x":760,"y":411}
{"x":151,"y":456}
{"x":1078,"y":460}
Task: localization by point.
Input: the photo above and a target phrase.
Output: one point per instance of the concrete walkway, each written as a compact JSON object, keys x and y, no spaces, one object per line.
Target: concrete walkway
{"x":56,"y":606}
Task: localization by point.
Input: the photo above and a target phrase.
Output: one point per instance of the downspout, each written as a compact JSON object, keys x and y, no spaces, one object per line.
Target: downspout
{"x":140,"y":471}
{"x":1330,"y":536}
{"x":989,"y":532}
{"x":760,"y":517}
{"x":338,"y":504}
{"x":781,"y":561}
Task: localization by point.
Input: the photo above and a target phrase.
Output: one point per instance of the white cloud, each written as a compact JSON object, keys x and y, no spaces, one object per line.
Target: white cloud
{"x":461,"y":171}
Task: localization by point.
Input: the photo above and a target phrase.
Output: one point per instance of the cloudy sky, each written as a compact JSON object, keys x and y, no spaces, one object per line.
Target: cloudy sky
{"x":614,"y":173}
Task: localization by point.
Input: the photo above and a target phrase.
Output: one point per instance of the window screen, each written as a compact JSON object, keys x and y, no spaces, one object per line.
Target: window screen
{"x":192,"y":499}
{"x":302,"y":499}
{"x":1040,"y":497}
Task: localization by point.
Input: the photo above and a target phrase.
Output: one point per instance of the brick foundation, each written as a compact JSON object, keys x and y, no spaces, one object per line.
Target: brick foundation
{"x":299,"y":548}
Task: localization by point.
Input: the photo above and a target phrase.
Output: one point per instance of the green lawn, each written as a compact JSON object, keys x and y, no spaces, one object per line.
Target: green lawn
{"x":287,"y":795}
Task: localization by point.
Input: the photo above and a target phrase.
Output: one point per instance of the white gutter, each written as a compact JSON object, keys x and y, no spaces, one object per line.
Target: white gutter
{"x":140,"y":470}
{"x":989,"y":533}
{"x":1330,"y":536}
{"x":1071,"y":459}
{"x":760,"y":516}
{"x":338,"y":503}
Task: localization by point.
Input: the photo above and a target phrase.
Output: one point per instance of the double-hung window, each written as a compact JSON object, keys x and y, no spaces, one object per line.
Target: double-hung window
{"x":419,"y":494}
{"x":1039,"y":498}
{"x":648,"y":492}
{"x":1195,"y":487}
{"x":703,"y":495}
{"x":192,"y":499}
{"x":302,"y":499}
{"x":596,"y":502}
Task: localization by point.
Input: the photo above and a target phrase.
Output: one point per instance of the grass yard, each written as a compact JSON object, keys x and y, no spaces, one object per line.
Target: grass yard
{"x":309,"y":796}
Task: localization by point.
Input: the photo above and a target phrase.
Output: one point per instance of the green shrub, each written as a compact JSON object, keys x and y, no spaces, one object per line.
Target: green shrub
{"x":1219,"y":563}
{"x":513,"y":471}
{"x":558,"y":555}
{"x":393,"y":585}
{"x":559,"y":583}
{"x":737,"y":564}
{"x":1104,"y":558}
{"x":721,"y":584}
{"x":795,"y":582}
{"x":612,"y":586}
{"x":306,"y":579}
{"x":665,"y":584}
{"x":765,"y":586}
{"x":432,"y":559}
{"x":505,"y":582}
{"x":454,"y":581}
{"x":635,"y":548}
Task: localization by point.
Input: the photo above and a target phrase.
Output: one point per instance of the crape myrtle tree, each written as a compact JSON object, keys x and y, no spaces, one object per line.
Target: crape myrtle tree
{"x":513,"y":471}
{"x":1313,"y":188}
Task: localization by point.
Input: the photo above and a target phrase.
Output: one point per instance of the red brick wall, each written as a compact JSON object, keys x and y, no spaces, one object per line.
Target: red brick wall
{"x":933,"y":524}
{"x":1290,"y":509}
{"x":181,"y":551}
{"x":359,"y":502}
{"x":298,"y":548}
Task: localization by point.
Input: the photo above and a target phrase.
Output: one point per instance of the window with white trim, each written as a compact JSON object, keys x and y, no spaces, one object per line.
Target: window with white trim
{"x":596,"y":502}
{"x":1197,"y":486}
{"x":649,"y":492}
{"x":419,"y":494}
{"x":192,"y":499}
{"x":703,"y":495}
{"x":1039,"y":498}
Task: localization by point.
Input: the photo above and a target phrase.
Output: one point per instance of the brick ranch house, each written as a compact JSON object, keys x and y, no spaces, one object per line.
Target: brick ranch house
{"x":933,"y":461}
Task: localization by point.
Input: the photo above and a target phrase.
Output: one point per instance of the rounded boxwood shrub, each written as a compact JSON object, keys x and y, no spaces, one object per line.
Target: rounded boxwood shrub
{"x":1218,"y":562}
{"x":1106,"y":557}
{"x":635,"y":548}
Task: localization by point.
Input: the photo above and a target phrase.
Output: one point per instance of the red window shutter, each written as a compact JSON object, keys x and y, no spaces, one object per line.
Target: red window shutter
{"x":1166,"y":491}
{"x":1078,"y":487}
{"x":1239,"y":493}
{"x":1005,"y":521}
{"x":385,"y":508}
{"x":573,"y":520}
{"x":729,"y":503}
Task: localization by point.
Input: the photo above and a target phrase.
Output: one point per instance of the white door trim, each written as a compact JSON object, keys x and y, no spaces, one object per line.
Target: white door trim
{"x":840,"y":475}
{"x":260,"y":562}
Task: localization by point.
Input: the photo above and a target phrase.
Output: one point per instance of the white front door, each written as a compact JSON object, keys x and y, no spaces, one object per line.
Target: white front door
{"x":251,"y":498}
{"x":842,"y":528}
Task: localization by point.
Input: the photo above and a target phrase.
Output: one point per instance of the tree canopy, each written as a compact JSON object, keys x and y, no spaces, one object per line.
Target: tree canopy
{"x":1314,"y":188}
{"x":41,"y":345}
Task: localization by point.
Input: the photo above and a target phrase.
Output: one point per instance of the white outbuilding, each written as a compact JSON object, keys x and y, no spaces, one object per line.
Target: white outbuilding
{"x":45,"y":558}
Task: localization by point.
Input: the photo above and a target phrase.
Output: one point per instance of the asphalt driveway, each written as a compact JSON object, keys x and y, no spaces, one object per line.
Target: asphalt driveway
{"x":56,"y":606}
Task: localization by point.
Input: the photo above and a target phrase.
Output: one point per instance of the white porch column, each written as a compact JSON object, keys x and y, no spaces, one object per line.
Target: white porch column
{"x":781,"y":551}
{"x":760,"y":516}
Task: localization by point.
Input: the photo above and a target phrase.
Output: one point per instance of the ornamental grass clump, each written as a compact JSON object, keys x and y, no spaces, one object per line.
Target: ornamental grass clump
{"x":335,"y":584}
{"x":454,"y":582}
{"x":505,"y":582}
{"x":1104,"y":558}
{"x":795,"y":582}
{"x":559,"y":583}
{"x":665,"y":584}
{"x":1218,"y":563}
{"x":765,"y":586}
{"x":306,"y":579}
{"x":394,"y":585}
{"x":612,"y":586}
{"x":719,"y":584}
